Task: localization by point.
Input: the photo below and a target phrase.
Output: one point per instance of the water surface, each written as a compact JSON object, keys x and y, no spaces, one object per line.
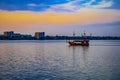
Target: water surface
{"x":56,"y":60}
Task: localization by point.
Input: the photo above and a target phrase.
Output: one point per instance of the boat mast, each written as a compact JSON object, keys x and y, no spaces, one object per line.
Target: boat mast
{"x":84,"y":33}
{"x":73,"y":34}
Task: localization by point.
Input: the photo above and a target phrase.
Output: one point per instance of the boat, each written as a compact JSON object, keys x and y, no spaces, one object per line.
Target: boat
{"x":79,"y":42}
{"x":83,"y":42}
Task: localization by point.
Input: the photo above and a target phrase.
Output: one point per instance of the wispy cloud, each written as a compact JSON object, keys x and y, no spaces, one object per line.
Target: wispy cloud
{"x":32,"y":5}
{"x":36,"y":5}
{"x":73,"y":6}
{"x":89,"y":3}
{"x":103,"y":4}
{"x":66,"y":7}
{"x":58,"y":5}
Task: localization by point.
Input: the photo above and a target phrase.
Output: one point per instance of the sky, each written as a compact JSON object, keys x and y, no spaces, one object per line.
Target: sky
{"x":61,"y":17}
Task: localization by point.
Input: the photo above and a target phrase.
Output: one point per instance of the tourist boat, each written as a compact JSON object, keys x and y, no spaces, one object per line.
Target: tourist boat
{"x":79,"y":42}
{"x":83,"y":42}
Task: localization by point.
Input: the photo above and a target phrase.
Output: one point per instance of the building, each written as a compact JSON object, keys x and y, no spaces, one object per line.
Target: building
{"x":9,"y":33}
{"x":39,"y":35}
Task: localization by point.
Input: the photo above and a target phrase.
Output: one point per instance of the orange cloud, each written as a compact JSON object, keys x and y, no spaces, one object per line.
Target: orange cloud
{"x":85,"y":16}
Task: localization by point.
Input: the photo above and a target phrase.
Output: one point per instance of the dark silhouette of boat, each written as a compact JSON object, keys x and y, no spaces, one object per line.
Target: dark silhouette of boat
{"x":83,"y":42}
{"x":79,"y":42}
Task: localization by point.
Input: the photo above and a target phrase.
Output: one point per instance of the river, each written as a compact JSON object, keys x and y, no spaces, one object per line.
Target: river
{"x":56,"y":60}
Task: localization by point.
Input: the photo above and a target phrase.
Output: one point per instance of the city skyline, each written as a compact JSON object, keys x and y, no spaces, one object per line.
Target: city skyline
{"x":42,"y":34}
{"x":62,"y":17}
{"x":11,"y":35}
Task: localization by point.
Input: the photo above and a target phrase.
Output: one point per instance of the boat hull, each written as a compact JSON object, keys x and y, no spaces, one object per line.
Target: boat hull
{"x":79,"y":43}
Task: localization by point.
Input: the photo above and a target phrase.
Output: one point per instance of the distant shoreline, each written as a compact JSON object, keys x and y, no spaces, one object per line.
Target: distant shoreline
{"x":61,"y":38}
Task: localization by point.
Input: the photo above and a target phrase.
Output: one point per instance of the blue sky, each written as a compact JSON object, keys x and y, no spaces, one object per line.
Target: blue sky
{"x":43,"y":5}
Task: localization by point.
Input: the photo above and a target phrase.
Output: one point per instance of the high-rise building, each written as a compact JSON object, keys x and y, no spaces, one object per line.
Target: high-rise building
{"x":39,"y":35}
{"x":9,"y":33}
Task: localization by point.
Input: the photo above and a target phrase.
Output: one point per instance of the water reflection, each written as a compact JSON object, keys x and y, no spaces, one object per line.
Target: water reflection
{"x":79,"y":54}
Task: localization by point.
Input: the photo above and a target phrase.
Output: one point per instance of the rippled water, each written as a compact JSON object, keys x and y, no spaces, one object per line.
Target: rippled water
{"x":56,"y":60}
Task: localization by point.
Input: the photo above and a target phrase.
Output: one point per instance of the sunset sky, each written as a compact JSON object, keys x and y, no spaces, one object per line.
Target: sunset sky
{"x":62,"y":17}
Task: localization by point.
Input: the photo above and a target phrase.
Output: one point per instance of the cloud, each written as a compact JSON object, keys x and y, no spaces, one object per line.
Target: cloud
{"x":65,"y":7}
{"x":84,"y":16}
{"x":76,"y":5}
{"x":32,"y":5}
{"x":103,"y":4}
{"x":89,"y":3}
{"x":36,"y":5}
{"x":57,"y":5}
